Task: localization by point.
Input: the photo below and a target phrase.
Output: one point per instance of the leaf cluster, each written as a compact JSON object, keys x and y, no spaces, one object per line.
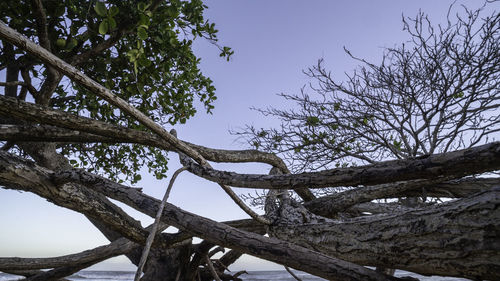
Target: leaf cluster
{"x":140,"y":50}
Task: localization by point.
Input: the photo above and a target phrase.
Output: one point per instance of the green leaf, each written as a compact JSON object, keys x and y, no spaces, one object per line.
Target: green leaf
{"x":312,"y":121}
{"x":142,"y":33}
{"x":60,"y":43}
{"x":103,"y":27}
{"x":144,"y":62}
{"x":256,"y":144}
{"x":100,"y":9}
{"x":336,"y":106}
{"x":137,"y":177}
{"x":112,"y":23}
{"x":135,"y":68}
{"x":71,"y":44}
{"x":113,"y":11}
{"x":143,"y":20}
{"x":141,"y":6}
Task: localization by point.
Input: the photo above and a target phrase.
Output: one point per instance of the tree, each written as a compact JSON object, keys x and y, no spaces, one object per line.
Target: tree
{"x":86,"y":122}
{"x":436,"y":93}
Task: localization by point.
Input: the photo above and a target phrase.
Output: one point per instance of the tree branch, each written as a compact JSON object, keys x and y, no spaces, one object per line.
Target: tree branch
{"x":98,"y":131}
{"x":454,"y":164}
{"x":154,"y":228}
{"x":456,"y":238}
{"x":115,"y":248}
{"x":329,"y":206}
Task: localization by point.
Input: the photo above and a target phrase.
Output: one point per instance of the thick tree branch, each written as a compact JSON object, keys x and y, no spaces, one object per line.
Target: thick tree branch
{"x":48,"y":133}
{"x":70,"y":195}
{"x":115,"y":248}
{"x":457,"y":238}
{"x":218,"y":233}
{"x":329,"y":206}
{"x":454,"y":164}
{"x":455,"y":188}
{"x":82,"y":129}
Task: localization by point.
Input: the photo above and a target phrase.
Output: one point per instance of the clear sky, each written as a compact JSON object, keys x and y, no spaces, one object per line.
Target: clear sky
{"x":273,"y":42}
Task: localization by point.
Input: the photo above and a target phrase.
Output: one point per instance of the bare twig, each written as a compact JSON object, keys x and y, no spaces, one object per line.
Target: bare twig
{"x":293,"y":274}
{"x":211,"y":268}
{"x":154,"y":228}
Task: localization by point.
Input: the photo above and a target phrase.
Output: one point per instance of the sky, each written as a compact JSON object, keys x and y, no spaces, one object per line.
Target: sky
{"x":273,"y":42}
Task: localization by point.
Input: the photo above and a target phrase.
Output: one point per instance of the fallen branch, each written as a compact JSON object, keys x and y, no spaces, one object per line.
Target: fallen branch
{"x":329,"y":206}
{"x":453,"y":164}
{"x":115,"y":248}
{"x":457,"y":238}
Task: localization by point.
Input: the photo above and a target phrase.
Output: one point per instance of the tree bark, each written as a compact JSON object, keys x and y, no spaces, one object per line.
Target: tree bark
{"x":458,"y":238}
{"x":455,"y":164}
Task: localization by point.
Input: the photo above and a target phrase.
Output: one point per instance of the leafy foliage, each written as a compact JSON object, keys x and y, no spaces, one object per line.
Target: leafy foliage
{"x":140,"y":50}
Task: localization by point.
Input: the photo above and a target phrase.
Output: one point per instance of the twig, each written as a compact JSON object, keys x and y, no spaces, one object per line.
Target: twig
{"x":178,"y":274}
{"x":212,"y":269}
{"x":154,"y":228}
{"x":293,"y":274}
{"x":237,"y":274}
{"x":12,"y":83}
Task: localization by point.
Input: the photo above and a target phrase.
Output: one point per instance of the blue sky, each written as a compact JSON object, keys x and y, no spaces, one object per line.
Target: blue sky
{"x":273,"y":42}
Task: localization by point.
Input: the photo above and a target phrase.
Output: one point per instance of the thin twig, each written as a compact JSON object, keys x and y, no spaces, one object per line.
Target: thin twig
{"x":212,"y":268}
{"x":178,"y":274}
{"x":293,"y":274}
{"x":154,"y":228}
{"x":12,"y":83}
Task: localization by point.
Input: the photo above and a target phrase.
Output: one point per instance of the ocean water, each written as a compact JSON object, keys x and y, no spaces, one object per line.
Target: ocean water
{"x":251,"y":276}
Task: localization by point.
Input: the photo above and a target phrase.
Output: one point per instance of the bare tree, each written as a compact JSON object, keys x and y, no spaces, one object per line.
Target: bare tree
{"x":436,"y":93}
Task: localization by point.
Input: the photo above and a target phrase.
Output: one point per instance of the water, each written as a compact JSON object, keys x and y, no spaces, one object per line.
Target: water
{"x":251,"y":276}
